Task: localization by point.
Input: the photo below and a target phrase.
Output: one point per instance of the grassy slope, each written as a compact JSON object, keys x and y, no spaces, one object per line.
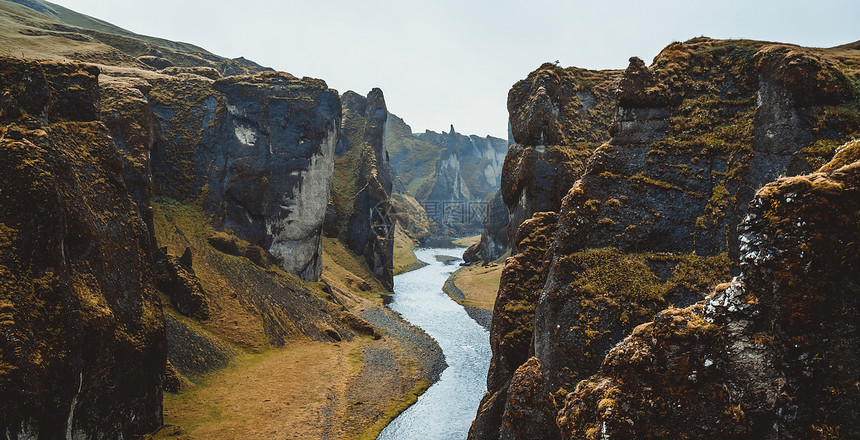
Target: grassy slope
{"x":309,"y":381}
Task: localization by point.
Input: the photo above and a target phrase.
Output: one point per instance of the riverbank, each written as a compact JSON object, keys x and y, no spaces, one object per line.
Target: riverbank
{"x":446,"y":410}
{"x":337,"y":389}
{"x":475,"y":288}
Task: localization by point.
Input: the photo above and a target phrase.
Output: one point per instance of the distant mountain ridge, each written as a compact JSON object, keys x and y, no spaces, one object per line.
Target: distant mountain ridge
{"x":66,"y":34}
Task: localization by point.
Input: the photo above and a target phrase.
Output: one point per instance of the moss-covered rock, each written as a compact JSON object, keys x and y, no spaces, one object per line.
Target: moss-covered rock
{"x":80,"y":312}
{"x":770,"y":355}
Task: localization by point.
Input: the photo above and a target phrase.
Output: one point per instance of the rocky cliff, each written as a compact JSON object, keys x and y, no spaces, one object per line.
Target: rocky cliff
{"x":549,"y":155}
{"x":453,"y":176}
{"x":256,"y":151}
{"x":371,"y":224}
{"x":770,"y":354}
{"x":80,"y":311}
{"x":360,"y":209}
{"x":122,"y":180}
{"x":650,"y":222}
{"x":558,"y":118}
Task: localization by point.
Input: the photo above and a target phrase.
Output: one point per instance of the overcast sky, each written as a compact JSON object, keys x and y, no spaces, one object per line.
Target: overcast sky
{"x":452,"y":61}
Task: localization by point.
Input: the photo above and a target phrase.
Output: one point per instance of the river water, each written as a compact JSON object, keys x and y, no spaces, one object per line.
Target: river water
{"x":446,"y":410}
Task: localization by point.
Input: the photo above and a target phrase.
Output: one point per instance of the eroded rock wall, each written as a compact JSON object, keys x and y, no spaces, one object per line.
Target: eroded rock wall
{"x":677,"y":177}
{"x":257,"y":151}
{"x":73,"y":331}
{"x":651,"y":221}
{"x":550,"y":154}
{"x":769,"y":355}
{"x":371,"y":225}
{"x":557,"y":119}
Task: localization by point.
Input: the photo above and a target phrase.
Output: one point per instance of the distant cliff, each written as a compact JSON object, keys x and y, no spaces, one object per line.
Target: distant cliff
{"x":650,"y":222}
{"x":453,"y":176}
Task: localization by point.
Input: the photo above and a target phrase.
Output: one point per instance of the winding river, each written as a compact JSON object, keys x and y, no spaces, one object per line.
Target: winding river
{"x":446,"y":410}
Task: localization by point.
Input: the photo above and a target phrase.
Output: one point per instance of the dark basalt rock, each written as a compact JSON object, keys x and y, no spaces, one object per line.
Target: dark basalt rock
{"x":175,"y":277}
{"x":79,"y":311}
{"x":371,"y":225}
{"x":258,"y":149}
{"x":650,"y":222}
{"x":769,"y":355}
{"x":557,"y":117}
{"x":224,"y":242}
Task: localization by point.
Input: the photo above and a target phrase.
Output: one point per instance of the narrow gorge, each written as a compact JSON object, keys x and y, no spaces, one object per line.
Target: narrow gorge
{"x":200,"y":247}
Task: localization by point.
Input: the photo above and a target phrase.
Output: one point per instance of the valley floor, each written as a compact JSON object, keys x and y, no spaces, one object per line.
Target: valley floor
{"x":306,"y":390}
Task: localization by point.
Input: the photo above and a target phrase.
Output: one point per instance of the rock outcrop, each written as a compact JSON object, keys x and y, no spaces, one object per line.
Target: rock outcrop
{"x":360,"y":209}
{"x":371,"y":224}
{"x":494,"y":237}
{"x":769,"y":355}
{"x":650,"y":222}
{"x":258,"y":151}
{"x":536,"y":174}
{"x":73,"y":331}
{"x":558,"y":117}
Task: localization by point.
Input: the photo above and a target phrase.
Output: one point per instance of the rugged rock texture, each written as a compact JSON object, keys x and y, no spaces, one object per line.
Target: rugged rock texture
{"x":550,"y":154}
{"x":468,"y":173}
{"x":410,"y":216}
{"x":73,"y":331}
{"x":371,"y":224}
{"x":453,"y":176}
{"x":650,"y":222}
{"x":676,"y":177}
{"x":558,"y":117}
{"x":494,"y":238}
{"x":770,"y":355}
{"x":513,"y":320}
{"x":175,"y":277}
{"x":258,"y":151}
{"x":360,"y":209}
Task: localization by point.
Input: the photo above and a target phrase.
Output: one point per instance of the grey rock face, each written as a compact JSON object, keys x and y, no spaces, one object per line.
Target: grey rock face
{"x":371,"y":224}
{"x":278,"y":151}
{"x":260,"y":150}
{"x":468,"y":173}
{"x":494,"y":238}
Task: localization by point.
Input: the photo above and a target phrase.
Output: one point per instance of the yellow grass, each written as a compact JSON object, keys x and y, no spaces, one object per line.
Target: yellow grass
{"x":479,"y":285}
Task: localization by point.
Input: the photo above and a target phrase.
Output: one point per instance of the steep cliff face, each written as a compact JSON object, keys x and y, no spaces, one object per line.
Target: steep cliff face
{"x":257,"y":151}
{"x":769,"y":355}
{"x":371,"y":224}
{"x":494,"y":237}
{"x":73,"y":331}
{"x":536,"y":174}
{"x":558,"y":117}
{"x":650,"y":222}
{"x":693,"y":133}
{"x":359,"y":211}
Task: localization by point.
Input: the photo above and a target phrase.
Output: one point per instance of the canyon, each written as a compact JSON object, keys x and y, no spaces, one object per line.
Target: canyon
{"x":191,"y":243}
{"x":621,"y":283}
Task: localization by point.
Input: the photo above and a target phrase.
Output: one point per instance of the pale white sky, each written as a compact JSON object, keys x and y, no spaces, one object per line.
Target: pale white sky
{"x":452,"y":61}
